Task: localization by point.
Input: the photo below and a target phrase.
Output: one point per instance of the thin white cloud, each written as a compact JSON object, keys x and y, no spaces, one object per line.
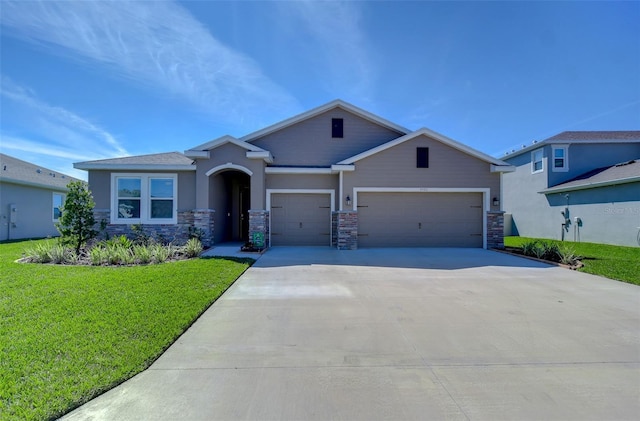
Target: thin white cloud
{"x":339,"y":47}
{"x":155,"y":43}
{"x":31,"y":128}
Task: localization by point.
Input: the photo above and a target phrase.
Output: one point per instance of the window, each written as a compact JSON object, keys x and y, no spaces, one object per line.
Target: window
{"x":422,"y":157}
{"x":560,"y":158}
{"x":337,"y":127}
{"x":536,"y":161}
{"x":58,"y":201}
{"x":147,"y":198}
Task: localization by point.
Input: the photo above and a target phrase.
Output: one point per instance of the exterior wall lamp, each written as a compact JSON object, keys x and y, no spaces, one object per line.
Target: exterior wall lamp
{"x":496,"y":201}
{"x":348,"y":201}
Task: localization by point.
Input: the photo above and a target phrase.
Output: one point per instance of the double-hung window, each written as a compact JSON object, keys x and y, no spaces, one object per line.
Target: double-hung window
{"x":560,"y":158}
{"x":536,"y":161}
{"x":144,"y":198}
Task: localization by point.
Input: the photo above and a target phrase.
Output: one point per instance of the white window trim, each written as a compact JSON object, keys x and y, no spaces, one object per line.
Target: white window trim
{"x":53,"y":203}
{"x":533,"y":161}
{"x":564,"y":148}
{"x":145,"y":200}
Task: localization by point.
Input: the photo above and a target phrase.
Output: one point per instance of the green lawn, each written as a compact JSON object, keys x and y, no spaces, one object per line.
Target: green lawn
{"x":615,"y":262}
{"x":69,"y":333}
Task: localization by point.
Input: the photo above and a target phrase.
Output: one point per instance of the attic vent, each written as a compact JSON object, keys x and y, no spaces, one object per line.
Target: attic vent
{"x":4,"y":167}
{"x":38,"y":170}
{"x":626,"y":163}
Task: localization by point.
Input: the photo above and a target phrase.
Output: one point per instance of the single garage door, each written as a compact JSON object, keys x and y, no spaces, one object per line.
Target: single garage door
{"x":420,"y":219}
{"x":300,"y":219}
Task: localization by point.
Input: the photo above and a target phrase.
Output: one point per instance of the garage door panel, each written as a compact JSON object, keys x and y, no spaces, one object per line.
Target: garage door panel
{"x":300,"y":219}
{"x":420,"y":219}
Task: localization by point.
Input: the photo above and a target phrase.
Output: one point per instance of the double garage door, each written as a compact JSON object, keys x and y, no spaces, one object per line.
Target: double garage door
{"x":384,"y":219}
{"x":420,"y":219}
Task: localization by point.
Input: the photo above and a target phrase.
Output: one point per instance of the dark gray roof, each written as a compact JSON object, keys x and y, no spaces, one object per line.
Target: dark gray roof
{"x":596,"y":136}
{"x":620,"y":136}
{"x":625,"y":172}
{"x":14,"y":170}
{"x":170,"y":160}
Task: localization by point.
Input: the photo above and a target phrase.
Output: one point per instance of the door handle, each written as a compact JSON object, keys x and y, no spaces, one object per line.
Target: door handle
{"x":300,"y":224}
{"x":419,"y":225}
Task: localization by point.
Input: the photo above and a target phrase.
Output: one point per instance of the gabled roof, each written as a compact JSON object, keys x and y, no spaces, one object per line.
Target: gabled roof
{"x":223,"y":141}
{"x":433,"y":135}
{"x":625,"y":172}
{"x":17,"y":171}
{"x":338,"y":103}
{"x":174,"y":161}
{"x":628,"y":136}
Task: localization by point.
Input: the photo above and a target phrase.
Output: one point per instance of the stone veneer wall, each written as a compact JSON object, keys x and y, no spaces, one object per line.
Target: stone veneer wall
{"x":495,"y":230}
{"x":259,"y":223}
{"x":179,"y":233}
{"x":346,"y":230}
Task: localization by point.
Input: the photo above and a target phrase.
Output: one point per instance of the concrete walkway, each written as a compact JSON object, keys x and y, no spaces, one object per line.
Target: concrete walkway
{"x":319,"y":334}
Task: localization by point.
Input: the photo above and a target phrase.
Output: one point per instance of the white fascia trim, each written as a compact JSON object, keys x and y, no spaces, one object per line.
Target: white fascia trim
{"x":502,"y":168}
{"x":297,"y":170}
{"x":229,"y":166}
{"x":321,"y":109}
{"x":134,"y":167}
{"x":330,"y":192}
{"x":227,"y":139}
{"x":266,"y":155}
{"x":195,"y":154}
{"x":560,"y":189}
{"x":342,"y":167}
{"x":429,"y":133}
{"x":486,"y":192}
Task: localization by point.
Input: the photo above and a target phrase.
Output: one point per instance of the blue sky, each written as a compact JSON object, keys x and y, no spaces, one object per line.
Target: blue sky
{"x":92,"y":80}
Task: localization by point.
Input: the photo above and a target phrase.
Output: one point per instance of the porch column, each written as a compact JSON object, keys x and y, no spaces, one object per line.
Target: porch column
{"x":495,"y":229}
{"x":346,"y":230}
{"x":259,"y":228}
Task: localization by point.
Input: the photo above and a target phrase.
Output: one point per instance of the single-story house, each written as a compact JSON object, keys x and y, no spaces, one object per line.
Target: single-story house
{"x":31,"y":198}
{"x":336,"y":175}
{"x":578,"y":186}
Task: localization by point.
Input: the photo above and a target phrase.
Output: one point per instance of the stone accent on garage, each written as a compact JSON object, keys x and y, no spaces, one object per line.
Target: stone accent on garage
{"x":259,"y":226}
{"x":346,"y":230}
{"x":495,"y":230}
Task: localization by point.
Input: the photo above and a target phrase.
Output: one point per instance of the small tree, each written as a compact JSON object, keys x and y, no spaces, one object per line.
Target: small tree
{"x":77,"y":221}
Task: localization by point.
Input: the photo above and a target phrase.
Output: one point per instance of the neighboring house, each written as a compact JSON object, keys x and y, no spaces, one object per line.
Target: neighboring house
{"x":31,"y":198}
{"x":335,"y":175}
{"x":582,"y":186}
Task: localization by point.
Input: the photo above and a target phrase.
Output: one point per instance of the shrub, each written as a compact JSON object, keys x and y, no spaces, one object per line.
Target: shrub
{"x":39,"y":253}
{"x":160,"y":253}
{"x":142,"y":254}
{"x":98,"y":255}
{"x":77,"y":221}
{"x":58,"y":254}
{"x":567,"y":255}
{"x":193,"y":248}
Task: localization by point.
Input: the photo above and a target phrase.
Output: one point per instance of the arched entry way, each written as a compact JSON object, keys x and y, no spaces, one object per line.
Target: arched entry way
{"x":230,"y":193}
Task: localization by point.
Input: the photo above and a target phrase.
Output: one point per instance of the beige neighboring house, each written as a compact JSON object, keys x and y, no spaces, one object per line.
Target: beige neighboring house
{"x":31,"y":198}
{"x":336,"y":175}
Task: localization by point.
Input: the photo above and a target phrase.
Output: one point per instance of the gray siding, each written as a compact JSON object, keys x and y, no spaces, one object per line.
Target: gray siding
{"x":586,"y":157}
{"x":610,"y":215}
{"x":309,"y":142}
{"x":34,"y":212}
{"x":229,"y":153}
{"x":448,"y":167}
{"x":304,"y":181}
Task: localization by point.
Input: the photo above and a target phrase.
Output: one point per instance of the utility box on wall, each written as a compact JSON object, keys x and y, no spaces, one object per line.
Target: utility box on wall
{"x":13,"y":214}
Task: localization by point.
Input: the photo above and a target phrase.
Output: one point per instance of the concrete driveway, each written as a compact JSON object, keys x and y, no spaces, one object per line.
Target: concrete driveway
{"x":318,"y":334}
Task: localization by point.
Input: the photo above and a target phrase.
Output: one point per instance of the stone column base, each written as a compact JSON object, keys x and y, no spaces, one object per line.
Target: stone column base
{"x":259,"y":228}
{"x":495,"y":230}
{"x":346,"y":230}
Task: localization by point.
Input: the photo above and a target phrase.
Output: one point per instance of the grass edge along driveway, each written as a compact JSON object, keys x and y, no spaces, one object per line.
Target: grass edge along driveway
{"x":614,"y":262}
{"x":69,"y":333}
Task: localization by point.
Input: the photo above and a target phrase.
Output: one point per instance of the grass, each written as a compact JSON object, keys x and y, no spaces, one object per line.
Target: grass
{"x":69,"y":333}
{"x":614,"y":262}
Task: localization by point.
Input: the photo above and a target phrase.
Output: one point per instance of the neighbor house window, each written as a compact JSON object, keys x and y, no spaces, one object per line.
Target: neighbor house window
{"x":422,"y":157}
{"x":560,"y":158}
{"x":58,"y":201}
{"x":536,"y":161}
{"x":144,"y":198}
{"x":337,"y":127}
